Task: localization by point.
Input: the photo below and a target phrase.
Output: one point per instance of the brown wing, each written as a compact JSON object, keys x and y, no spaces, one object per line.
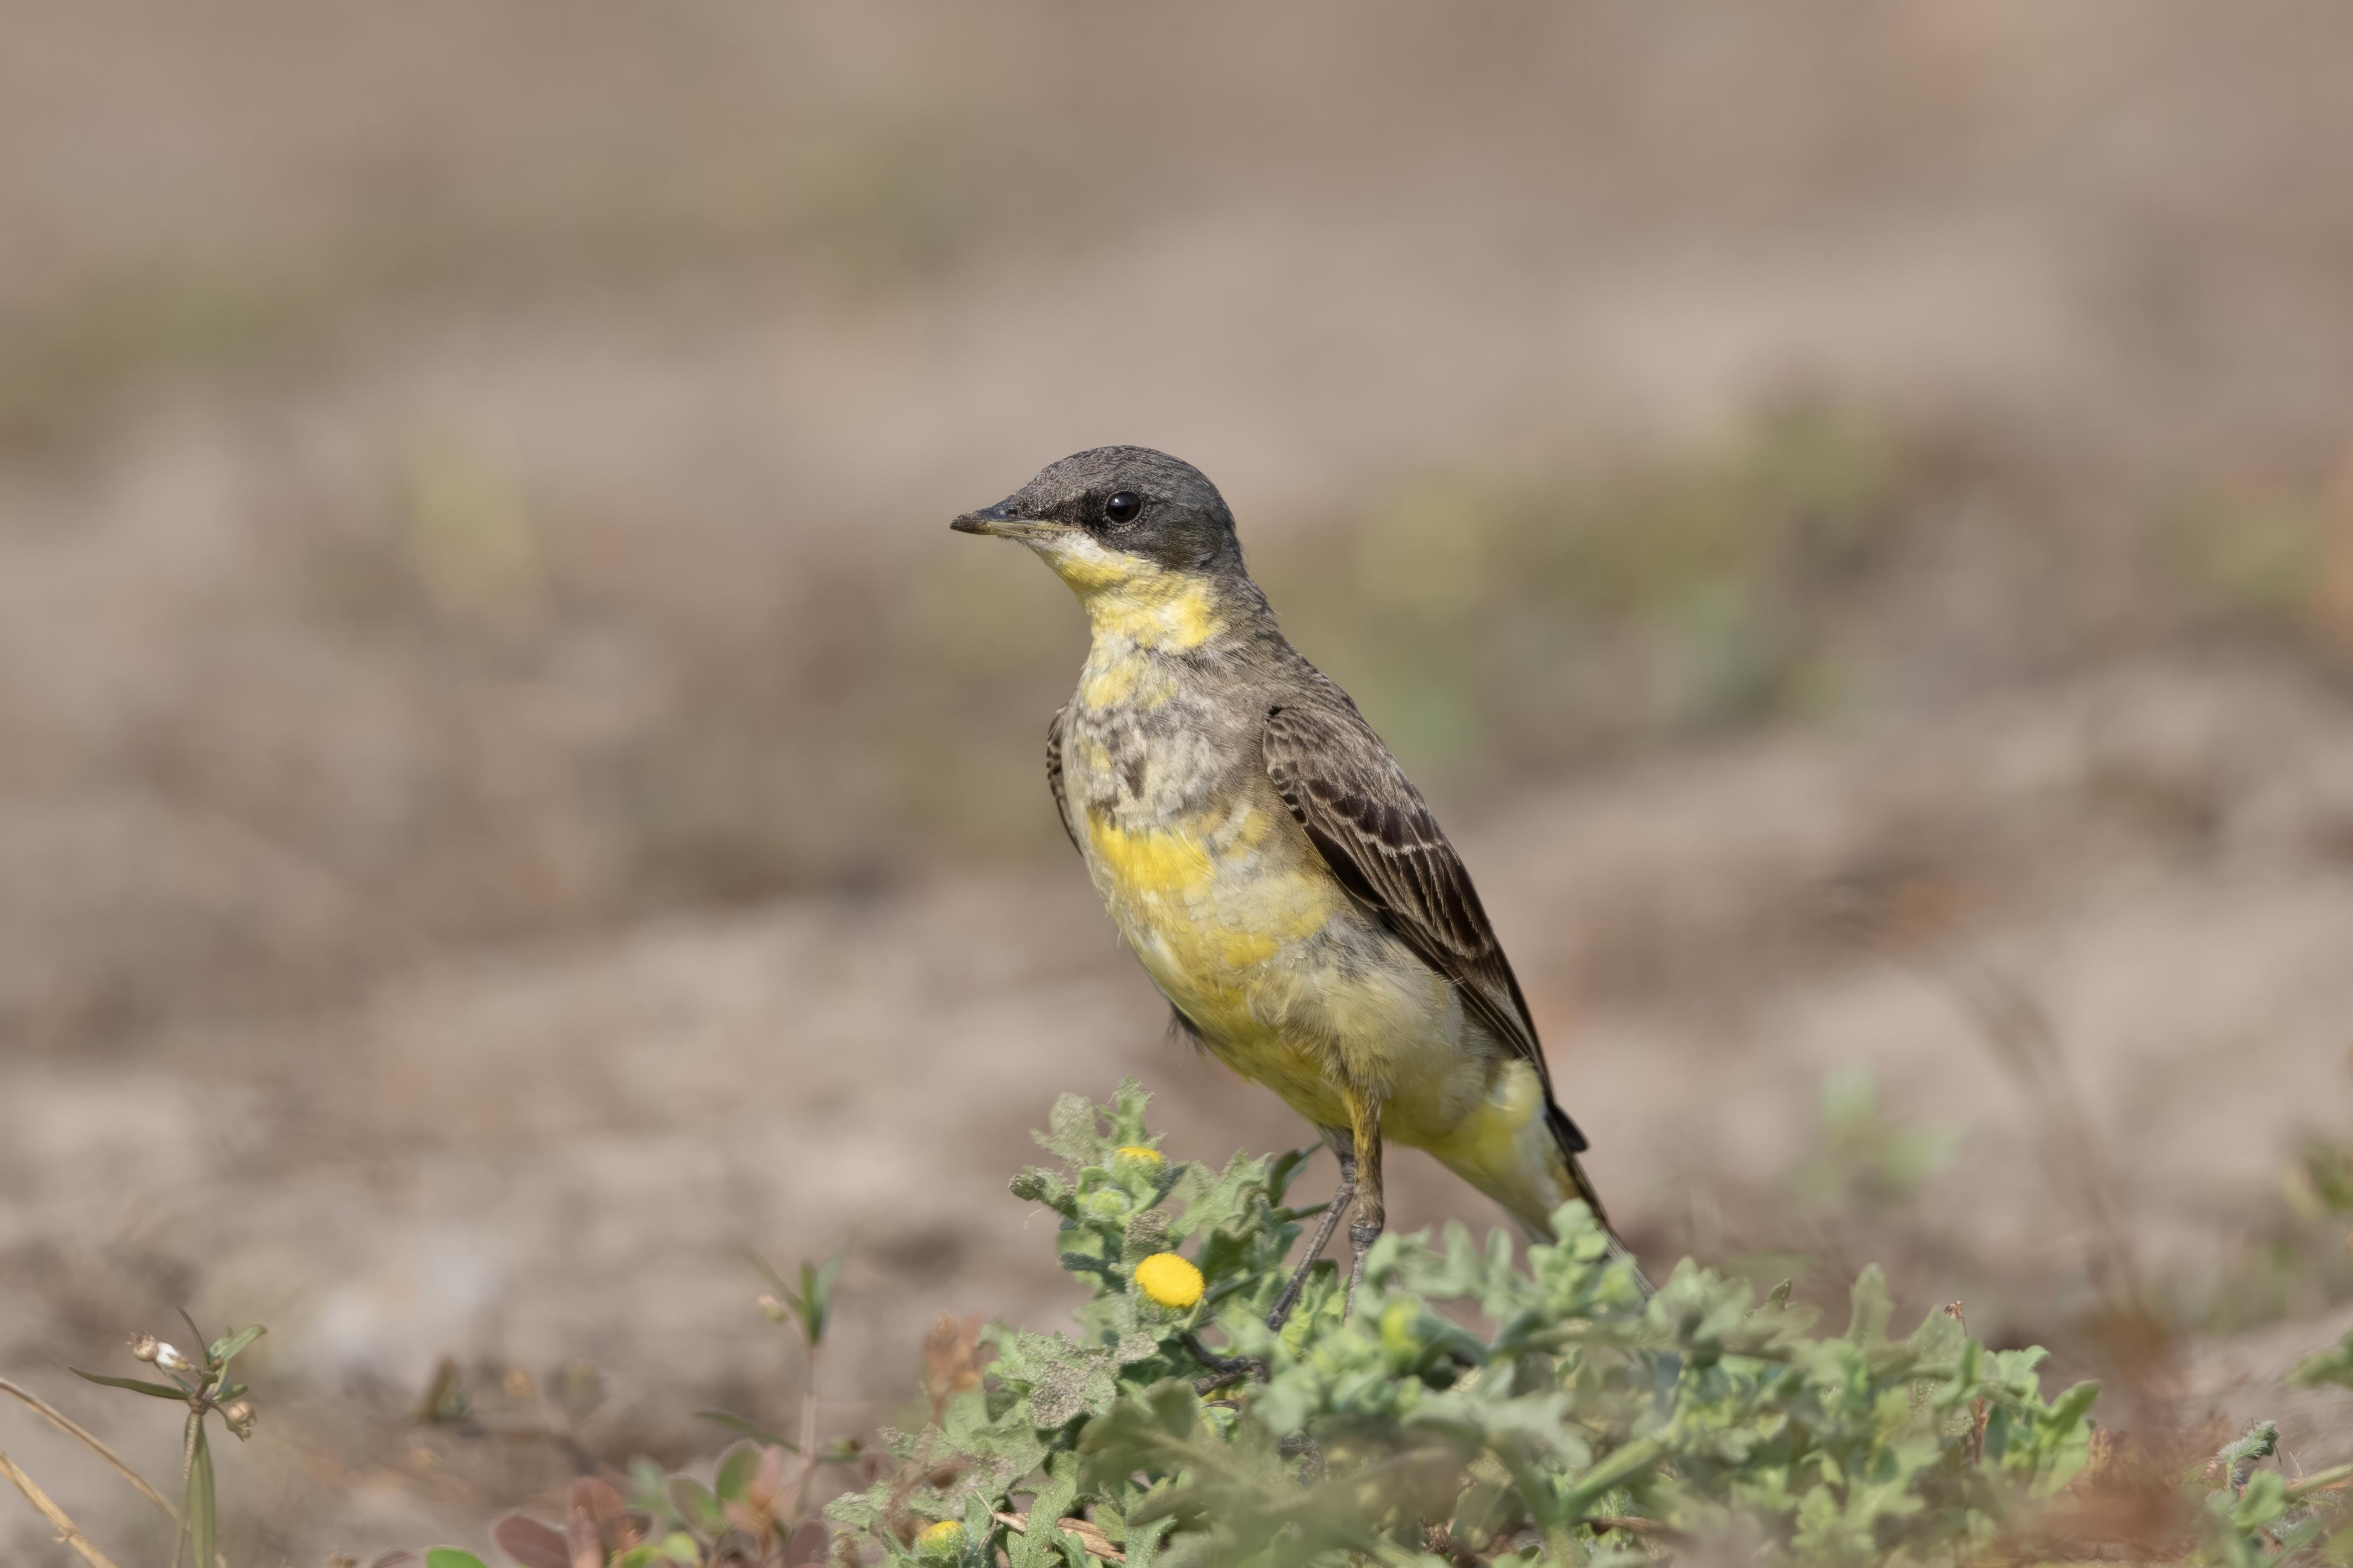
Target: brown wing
{"x":1373,"y":828}
{"x":1054,"y":772}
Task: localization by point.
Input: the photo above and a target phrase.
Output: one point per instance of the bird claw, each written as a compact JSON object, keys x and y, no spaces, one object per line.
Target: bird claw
{"x":1225,"y":1371}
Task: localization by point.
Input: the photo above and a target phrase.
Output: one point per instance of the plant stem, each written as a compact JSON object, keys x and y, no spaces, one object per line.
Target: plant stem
{"x":2319,"y":1480}
{"x":67,"y":1424}
{"x":66,"y":1530}
{"x":1619,"y":1468}
{"x":809,"y":1436}
{"x":187,"y":1470}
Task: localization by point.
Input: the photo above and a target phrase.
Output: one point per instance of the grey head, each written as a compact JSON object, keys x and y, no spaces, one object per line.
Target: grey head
{"x":1117,"y":502}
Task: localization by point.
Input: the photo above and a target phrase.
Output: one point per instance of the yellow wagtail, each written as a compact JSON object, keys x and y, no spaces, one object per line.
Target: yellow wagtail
{"x":1285,"y":885}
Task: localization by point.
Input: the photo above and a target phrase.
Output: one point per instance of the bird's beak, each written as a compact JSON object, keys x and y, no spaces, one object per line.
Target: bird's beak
{"x":988,"y":519}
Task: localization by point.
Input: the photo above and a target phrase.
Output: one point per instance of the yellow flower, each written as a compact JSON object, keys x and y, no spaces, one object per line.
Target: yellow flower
{"x":1138,"y":1152}
{"x":1169,"y":1280}
{"x":944,"y":1539}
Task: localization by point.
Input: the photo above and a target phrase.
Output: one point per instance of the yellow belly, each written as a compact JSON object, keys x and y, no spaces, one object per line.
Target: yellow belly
{"x":1241,"y":935}
{"x":1235,"y":926}
{"x":1222,"y":922}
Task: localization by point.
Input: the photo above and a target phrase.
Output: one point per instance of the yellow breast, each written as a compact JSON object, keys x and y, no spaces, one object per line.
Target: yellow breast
{"x":1204,"y":895}
{"x":1224,"y":922}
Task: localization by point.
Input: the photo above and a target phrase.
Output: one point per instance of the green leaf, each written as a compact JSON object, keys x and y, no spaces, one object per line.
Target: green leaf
{"x":752,"y":1429}
{"x":1868,"y":1325}
{"x":1614,"y":1471}
{"x":136,"y":1385}
{"x":812,"y":1302}
{"x":1283,"y":1171}
{"x":2264,"y":1501}
{"x":736,"y":1471}
{"x":694,"y":1503}
{"x":450,"y":1557}
{"x":203,"y":1526}
{"x":2329,"y":1366}
{"x":225,"y":1348}
{"x":1152,"y":1431}
{"x":1040,"y":1545}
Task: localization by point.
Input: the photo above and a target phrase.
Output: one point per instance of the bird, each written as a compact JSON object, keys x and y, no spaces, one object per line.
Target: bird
{"x":1282,"y":882}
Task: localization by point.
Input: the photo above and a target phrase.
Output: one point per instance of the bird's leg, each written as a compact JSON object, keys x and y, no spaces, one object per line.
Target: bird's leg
{"x":1341,"y":1200}
{"x":1372,"y":1209}
{"x":1225,"y":1371}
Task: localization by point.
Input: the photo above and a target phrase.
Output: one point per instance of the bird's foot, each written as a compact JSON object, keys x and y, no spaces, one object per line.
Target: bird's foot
{"x":1280,"y":1312}
{"x":1225,"y":1371}
{"x":1361,"y":1236}
{"x":1341,"y":1200}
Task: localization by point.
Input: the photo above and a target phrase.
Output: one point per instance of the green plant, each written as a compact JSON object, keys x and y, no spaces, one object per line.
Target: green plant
{"x":202,"y":1383}
{"x":2296,"y":1260}
{"x":1575,"y":1422}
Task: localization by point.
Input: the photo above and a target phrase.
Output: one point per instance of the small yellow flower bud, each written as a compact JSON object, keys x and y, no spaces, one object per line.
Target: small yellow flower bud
{"x":944,"y":1539}
{"x":144,"y":1348}
{"x":1138,"y":1152}
{"x":1169,"y":1280}
{"x":773,"y":1308}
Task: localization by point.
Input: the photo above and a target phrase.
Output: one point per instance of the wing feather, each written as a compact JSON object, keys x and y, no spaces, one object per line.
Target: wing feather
{"x":1054,"y":773}
{"x":1377,"y":834}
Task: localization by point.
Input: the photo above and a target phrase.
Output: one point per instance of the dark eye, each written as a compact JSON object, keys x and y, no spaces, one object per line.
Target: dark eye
{"x":1124,"y":506}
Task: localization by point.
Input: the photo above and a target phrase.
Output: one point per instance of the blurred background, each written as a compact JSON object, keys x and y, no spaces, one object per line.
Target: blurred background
{"x":511,"y":798}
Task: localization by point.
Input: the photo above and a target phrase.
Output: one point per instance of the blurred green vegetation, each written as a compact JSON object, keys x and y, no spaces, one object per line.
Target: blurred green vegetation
{"x":2297,"y":1261}
{"x":2270,"y":559}
{"x":1489,"y":626}
{"x":1861,"y":1158}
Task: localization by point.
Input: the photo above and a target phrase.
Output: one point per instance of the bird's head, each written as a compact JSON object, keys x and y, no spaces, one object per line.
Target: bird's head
{"x":1118,"y":521}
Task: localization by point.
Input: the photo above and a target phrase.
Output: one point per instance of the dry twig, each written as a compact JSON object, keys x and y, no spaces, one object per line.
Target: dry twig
{"x":67,"y":1532}
{"x":72,"y":1428}
{"x":1090,"y":1535}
